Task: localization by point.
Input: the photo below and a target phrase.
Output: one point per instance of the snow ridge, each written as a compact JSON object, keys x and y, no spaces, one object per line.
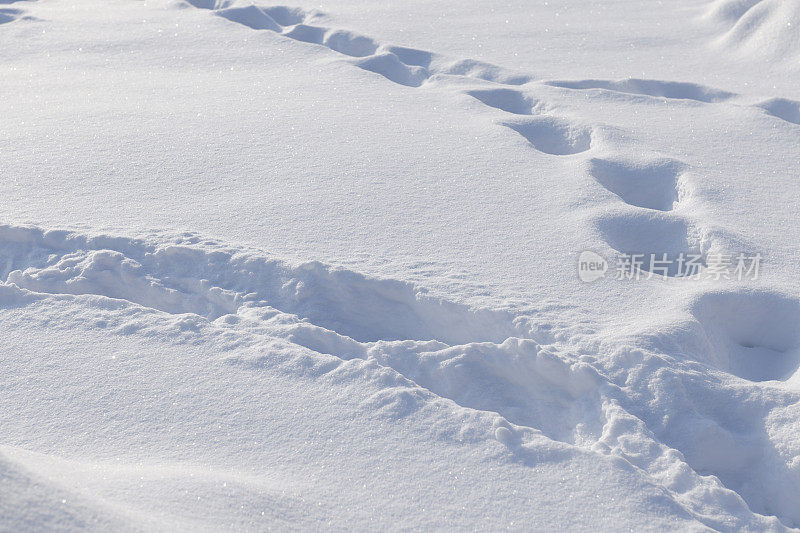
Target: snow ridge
{"x":480,"y":359}
{"x":185,"y":278}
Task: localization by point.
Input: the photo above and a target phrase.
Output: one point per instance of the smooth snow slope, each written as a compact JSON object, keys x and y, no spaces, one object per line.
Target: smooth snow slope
{"x":760,"y":28}
{"x":419,"y":351}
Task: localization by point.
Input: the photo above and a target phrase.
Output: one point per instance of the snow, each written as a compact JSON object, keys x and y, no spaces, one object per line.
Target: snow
{"x":315,"y":266}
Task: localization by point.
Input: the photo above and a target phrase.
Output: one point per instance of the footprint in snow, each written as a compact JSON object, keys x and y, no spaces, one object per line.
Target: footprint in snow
{"x":652,"y":184}
{"x":782,"y":108}
{"x":508,"y":100}
{"x":650,"y":233}
{"x":546,"y":133}
{"x":553,"y":135}
{"x":751,"y":334}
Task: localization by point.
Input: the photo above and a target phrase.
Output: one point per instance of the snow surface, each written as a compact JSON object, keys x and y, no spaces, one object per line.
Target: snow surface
{"x":313,"y":266}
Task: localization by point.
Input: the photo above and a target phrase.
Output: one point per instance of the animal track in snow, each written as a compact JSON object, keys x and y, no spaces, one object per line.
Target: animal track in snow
{"x":411,"y":67}
{"x":652,"y":184}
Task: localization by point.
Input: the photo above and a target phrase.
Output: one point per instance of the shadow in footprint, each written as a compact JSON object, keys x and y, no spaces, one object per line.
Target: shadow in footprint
{"x":730,"y":11}
{"x":250,"y":16}
{"x":753,"y":335}
{"x":649,"y":234}
{"x":652,"y":185}
{"x":10,"y":15}
{"x":471,"y":68}
{"x":390,"y":67}
{"x":210,"y":4}
{"x":306,"y":34}
{"x":507,"y":100}
{"x":411,"y":56}
{"x":553,"y":135}
{"x":788,"y":110}
{"x":286,"y":16}
{"x":350,"y":44}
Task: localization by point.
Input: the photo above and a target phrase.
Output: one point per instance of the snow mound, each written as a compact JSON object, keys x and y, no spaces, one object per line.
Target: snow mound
{"x":759,"y":28}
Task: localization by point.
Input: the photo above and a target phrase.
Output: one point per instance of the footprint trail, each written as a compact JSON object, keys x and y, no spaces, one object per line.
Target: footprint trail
{"x":410,"y":67}
{"x":401,"y":65}
{"x":526,"y":383}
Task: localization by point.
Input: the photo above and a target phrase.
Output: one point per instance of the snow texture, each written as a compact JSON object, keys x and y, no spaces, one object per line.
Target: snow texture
{"x":314,"y":266}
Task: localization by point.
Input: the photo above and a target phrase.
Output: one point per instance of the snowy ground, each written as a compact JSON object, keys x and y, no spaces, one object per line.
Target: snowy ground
{"x":316,"y":266}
